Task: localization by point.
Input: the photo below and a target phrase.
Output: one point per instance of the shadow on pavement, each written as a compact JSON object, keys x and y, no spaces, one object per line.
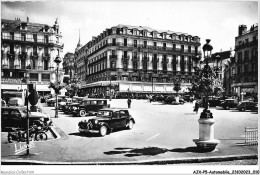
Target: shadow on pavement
{"x":85,"y":134}
{"x":150,"y":151}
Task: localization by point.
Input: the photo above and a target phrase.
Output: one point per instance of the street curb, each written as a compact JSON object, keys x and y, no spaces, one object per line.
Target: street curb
{"x":55,"y":133}
{"x":143,"y":162}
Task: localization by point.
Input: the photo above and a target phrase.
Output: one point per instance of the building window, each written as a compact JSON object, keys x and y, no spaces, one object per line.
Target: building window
{"x":33,"y":77}
{"x":247,"y":40}
{"x":12,"y":35}
{"x":189,"y":49}
{"x":45,"y":77}
{"x":125,"y":42}
{"x":182,"y":48}
{"x":254,"y":67}
{"x":23,"y":36}
{"x":246,"y":55}
{"x":11,"y":49}
{"x":164,"y":46}
{"x":145,"y":44}
{"x":113,"y":42}
{"x":45,"y":51}
{"x":45,"y":66}
{"x":46,"y":39}
{"x":174,"y":47}
{"x":135,"y":66}
{"x":35,"y":38}
{"x":135,"y":43}
{"x":125,"y":54}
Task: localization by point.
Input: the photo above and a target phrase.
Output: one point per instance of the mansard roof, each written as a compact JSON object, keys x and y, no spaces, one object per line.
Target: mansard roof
{"x":14,"y":25}
{"x":149,"y":29}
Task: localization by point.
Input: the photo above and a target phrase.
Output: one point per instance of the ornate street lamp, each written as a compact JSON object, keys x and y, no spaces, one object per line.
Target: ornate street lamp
{"x":205,"y":78}
{"x":57,"y":61}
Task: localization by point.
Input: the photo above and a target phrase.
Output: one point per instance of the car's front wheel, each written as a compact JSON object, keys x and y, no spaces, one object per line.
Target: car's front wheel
{"x":242,"y":109}
{"x":82,"y":113}
{"x":130,"y":124}
{"x":103,"y":131}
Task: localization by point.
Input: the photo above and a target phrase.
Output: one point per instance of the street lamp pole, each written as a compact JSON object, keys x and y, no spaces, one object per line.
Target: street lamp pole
{"x":57,"y":61}
{"x":110,"y":95}
{"x":206,"y":141}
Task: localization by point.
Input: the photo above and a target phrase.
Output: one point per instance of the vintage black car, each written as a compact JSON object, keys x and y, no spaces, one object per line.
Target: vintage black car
{"x":229,"y":103}
{"x":90,"y":106}
{"x":17,"y":117}
{"x":107,"y":119}
{"x":71,"y":105}
{"x":246,"y":105}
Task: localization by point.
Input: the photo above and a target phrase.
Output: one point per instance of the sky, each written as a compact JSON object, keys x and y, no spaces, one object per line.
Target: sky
{"x":213,"y":20}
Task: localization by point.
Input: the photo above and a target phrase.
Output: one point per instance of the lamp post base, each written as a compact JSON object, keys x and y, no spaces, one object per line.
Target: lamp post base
{"x":206,"y":141}
{"x":206,"y":145}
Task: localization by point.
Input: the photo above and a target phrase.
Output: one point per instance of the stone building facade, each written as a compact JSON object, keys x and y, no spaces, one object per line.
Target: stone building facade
{"x":27,"y":52}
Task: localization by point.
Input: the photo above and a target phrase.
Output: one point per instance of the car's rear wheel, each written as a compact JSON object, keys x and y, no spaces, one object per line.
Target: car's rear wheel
{"x":41,"y":136}
{"x":82,"y":113}
{"x":227,"y":107}
{"x":130,"y":124}
{"x":103,"y":131}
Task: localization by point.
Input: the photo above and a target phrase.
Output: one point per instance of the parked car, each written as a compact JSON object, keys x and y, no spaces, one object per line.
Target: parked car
{"x":169,"y":99}
{"x":246,"y":105}
{"x":229,"y":103}
{"x":158,"y":98}
{"x":16,"y":116}
{"x":107,"y":119}
{"x":89,"y":106}
{"x":70,"y":106}
{"x":63,"y":102}
{"x":214,"y":101}
{"x":15,"y":101}
{"x":52,"y":101}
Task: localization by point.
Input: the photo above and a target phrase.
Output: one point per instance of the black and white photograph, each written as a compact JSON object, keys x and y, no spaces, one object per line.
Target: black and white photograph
{"x":129,"y":87}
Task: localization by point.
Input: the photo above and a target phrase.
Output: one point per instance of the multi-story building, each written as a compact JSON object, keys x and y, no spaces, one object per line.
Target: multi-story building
{"x":217,"y":62}
{"x":242,"y":73}
{"x":28,"y":50}
{"x":68,"y":67}
{"x":80,"y":68}
{"x":139,"y":59}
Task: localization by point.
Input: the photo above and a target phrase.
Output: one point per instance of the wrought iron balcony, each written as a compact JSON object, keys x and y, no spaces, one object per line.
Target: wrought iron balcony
{"x":135,"y":58}
{"x":154,"y":59}
{"x":125,"y":58}
{"x":145,"y":59}
{"x":165,"y":60}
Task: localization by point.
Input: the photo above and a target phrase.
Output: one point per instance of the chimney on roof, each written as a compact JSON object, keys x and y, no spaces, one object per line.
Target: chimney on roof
{"x":27,"y":19}
{"x":242,"y":29}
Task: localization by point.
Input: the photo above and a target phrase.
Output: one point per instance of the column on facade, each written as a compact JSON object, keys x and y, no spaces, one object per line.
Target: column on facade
{"x":39,"y":77}
{"x":108,"y":58}
{"x":39,"y":63}
{"x":51,"y":60}
{"x":178,"y":59}
{"x":169,"y":64}
{"x":4,"y":60}
{"x":119,"y":63}
{"x":29,"y":53}
{"x":130,"y":62}
{"x":150,"y":65}
{"x":16,"y":59}
{"x":159,"y":63}
{"x":139,"y":63}
{"x":186,"y":63}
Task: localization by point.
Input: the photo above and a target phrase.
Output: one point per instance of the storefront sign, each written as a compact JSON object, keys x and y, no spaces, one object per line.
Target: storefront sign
{"x":10,"y":81}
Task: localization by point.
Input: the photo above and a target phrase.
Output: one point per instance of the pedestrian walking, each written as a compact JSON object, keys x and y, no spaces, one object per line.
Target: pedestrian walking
{"x":196,"y":107}
{"x":129,"y":102}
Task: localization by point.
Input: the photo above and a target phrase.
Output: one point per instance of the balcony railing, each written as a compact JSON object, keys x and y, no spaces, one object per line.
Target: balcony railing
{"x":165,"y":60}
{"x":145,"y":59}
{"x":135,"y":58}
{"x":154,"y":59}
{"x":46,"y":55}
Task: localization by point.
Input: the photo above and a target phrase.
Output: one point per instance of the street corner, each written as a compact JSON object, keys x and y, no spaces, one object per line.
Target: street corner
{"x":58,"y":133}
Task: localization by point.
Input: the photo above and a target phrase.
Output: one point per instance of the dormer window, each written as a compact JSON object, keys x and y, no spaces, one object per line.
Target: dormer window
{"x":134,"y":32}
{"x":113,"y":31}
{"x":124,"y":30}
{"x":144,"y":33}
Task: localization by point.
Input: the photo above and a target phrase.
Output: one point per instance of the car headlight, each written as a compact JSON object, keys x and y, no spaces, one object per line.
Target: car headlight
{"x":96,"y":122}
{"x":42,"y":119}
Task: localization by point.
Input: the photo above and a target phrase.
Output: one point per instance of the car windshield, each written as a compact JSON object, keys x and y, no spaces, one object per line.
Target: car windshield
{"x":104,"y":113}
